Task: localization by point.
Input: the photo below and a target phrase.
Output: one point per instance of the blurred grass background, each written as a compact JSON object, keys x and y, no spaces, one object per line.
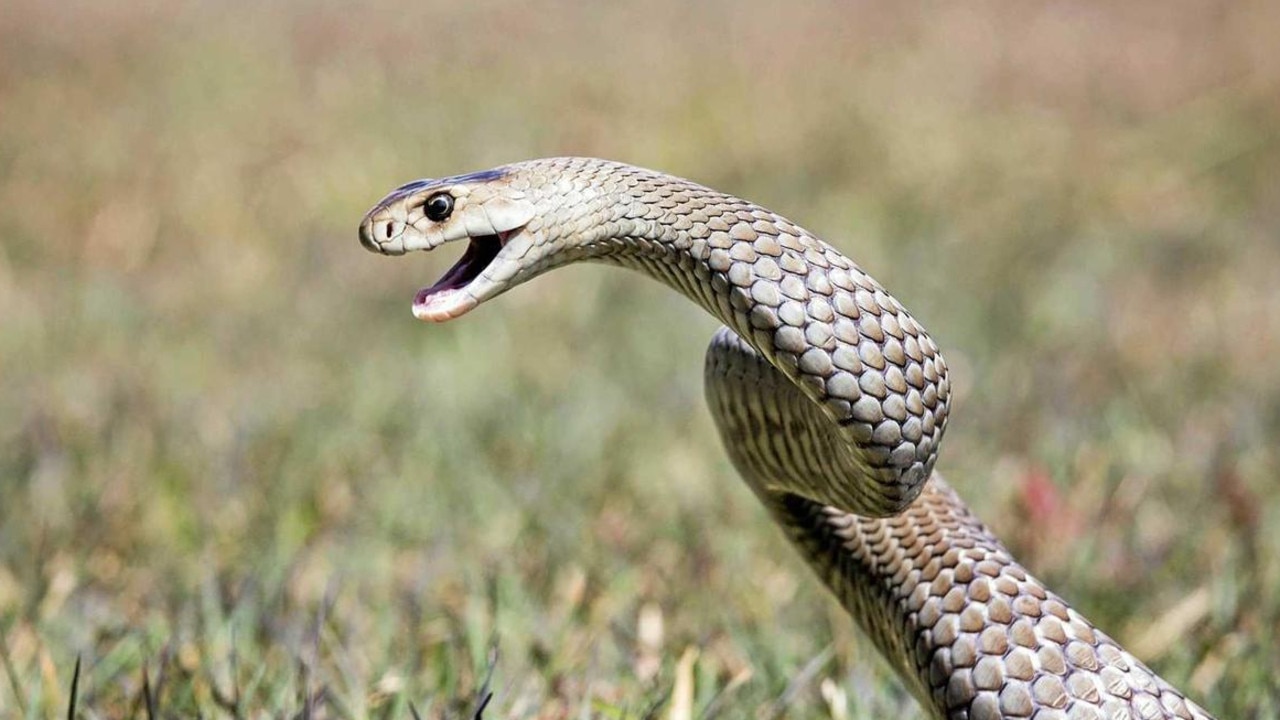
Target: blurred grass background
{"x":233,"y":467}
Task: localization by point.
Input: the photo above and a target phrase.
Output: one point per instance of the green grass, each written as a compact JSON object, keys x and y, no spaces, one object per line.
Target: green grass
{"x":238,"y":479}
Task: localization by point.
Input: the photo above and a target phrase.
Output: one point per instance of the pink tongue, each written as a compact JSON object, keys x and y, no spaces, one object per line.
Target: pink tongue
{"x":427,"y":295}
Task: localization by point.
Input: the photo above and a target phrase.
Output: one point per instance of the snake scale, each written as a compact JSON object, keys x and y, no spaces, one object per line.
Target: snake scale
{"x":830,"y":399}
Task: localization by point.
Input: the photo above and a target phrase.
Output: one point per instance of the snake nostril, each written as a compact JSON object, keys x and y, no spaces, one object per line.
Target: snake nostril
{"x":377,"y":234}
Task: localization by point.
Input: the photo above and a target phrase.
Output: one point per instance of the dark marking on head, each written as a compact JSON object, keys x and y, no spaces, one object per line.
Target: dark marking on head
{"x":414,"y":186}
{"x":481,"y":176}
{"x":424,"y":184}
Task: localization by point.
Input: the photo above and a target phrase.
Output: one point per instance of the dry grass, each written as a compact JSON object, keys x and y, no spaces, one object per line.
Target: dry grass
{"x":236,"y":473}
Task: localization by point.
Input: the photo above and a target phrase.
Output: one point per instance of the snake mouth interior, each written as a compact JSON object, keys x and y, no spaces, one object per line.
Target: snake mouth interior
{"x":445,"y":293}
{"x":480,"y":252}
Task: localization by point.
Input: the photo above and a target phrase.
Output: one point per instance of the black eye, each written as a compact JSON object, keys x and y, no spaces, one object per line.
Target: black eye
{"x":438,"y":206}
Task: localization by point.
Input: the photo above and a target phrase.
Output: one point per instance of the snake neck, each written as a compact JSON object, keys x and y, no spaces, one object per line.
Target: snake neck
{"x":859,"y":358}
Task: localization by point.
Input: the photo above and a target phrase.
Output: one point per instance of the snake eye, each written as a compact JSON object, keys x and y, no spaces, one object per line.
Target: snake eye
{"x":438,"y":206}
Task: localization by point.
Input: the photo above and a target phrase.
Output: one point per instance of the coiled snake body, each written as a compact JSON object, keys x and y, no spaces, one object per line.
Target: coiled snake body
{"x":831,"y":401}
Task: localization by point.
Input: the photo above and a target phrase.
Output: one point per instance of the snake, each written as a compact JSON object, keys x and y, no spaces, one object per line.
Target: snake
{"x":831,"y":401}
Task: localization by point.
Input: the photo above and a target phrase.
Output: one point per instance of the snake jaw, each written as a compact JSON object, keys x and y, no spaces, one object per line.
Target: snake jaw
{"x":465,"y":284}
{"x":489,"y":222}
{"x":487,"y":216}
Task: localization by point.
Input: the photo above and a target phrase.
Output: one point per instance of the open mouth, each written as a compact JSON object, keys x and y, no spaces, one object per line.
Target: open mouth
{"x":446,"y":299}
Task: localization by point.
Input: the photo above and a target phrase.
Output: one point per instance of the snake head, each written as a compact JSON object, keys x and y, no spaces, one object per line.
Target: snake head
{"x":483,"y":208}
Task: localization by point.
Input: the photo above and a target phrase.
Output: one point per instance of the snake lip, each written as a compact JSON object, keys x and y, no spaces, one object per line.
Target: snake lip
{"x":448,"y":297}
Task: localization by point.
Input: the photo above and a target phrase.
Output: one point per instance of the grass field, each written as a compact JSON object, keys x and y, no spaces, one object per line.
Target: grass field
{"x":238,"y":479}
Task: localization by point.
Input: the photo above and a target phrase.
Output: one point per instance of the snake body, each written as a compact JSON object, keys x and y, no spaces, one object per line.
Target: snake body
{"x":830,"y":399}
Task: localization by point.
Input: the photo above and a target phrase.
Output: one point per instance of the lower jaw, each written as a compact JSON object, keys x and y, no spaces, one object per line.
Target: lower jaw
{"x":443,"y":305}
{"x":440,"y":302}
